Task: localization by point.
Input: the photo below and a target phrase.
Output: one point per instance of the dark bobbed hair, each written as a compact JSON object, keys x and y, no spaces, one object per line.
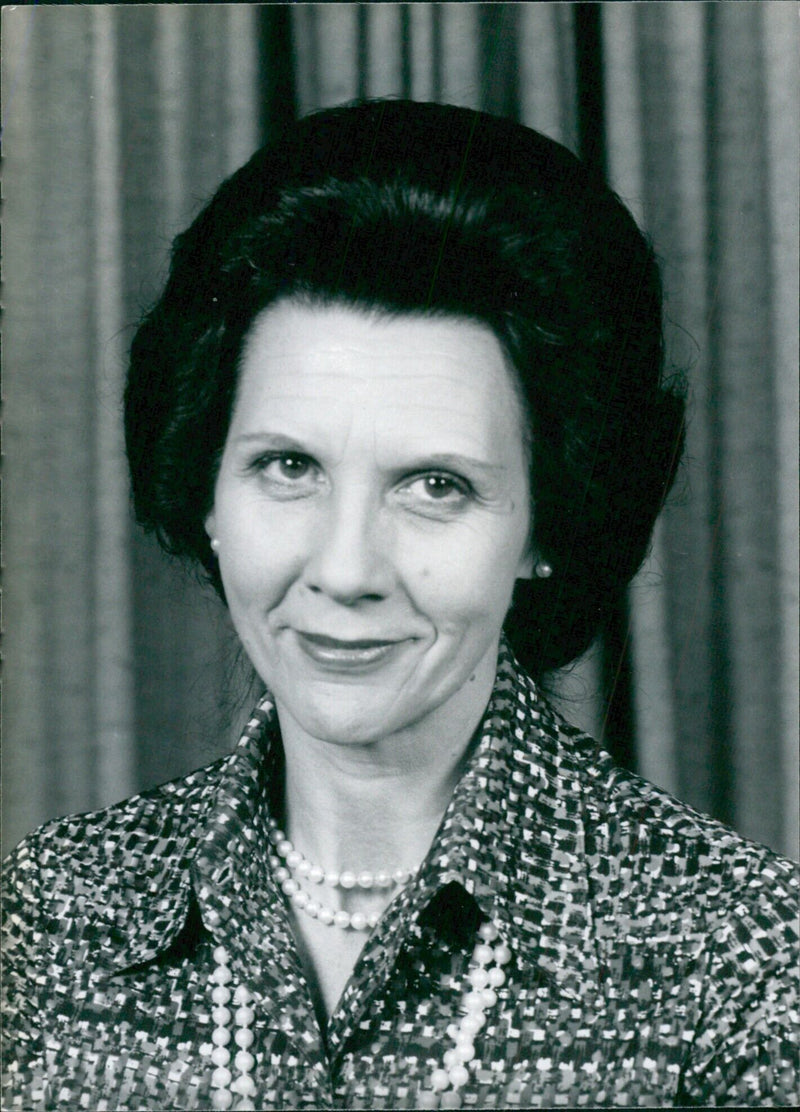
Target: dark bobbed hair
{"x":435,"y":210}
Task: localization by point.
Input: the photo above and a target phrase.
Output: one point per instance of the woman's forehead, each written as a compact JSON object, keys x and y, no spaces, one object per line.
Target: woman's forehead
{"x":422,"y":377}
{"x":328,"y":348}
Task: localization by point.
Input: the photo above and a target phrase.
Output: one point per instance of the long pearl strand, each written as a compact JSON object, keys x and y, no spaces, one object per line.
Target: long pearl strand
{"x":288,"y":864}
{"x":225,"y":1087}
{"x":485,"y":976}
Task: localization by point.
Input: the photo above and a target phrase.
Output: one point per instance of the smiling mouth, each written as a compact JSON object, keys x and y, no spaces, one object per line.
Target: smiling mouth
{"x":332,"y":652}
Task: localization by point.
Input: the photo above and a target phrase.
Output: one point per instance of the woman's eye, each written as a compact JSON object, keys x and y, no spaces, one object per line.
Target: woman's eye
{"x":287,"y":469}
{"x":441,"y":486}
{"x":292,"y":467}
{"x":447,"y":490}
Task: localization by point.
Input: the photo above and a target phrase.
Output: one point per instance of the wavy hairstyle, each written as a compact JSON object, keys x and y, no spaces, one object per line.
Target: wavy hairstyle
{"x":434,"y":210}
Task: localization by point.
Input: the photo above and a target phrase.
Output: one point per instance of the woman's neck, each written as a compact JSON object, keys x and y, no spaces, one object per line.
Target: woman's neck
{"x":377,"y":806}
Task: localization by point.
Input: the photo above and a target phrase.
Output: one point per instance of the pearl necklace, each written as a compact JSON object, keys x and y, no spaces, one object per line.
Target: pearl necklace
{"x":300,"y":865}
{"x":485,"y":975}
{"x":288,"y":864}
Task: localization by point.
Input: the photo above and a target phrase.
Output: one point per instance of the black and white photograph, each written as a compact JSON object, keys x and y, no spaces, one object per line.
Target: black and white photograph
{"x":400,"y":555}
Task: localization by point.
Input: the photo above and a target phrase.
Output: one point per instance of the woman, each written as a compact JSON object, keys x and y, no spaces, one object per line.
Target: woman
{"x":403,"y":399}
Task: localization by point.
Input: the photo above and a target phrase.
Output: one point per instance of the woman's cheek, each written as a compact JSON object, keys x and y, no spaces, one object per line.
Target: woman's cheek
{"x":271,"y":550}
{"x":465,"y":548}
{"x":287,"y":543}
{"x":453,"y":570}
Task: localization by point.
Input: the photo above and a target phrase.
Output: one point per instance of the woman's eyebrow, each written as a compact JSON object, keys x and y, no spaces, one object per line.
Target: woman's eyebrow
{"x":453,"y":461}
{"x":268,"y":439}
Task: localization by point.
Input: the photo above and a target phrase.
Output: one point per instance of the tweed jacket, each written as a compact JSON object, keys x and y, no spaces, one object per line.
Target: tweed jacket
{"x":654,"y":952}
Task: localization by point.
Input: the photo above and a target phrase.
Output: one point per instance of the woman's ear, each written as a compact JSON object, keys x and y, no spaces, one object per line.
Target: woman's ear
{"x":210,"y":526}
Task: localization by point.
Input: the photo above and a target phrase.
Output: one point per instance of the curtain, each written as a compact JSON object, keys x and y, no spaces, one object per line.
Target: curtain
{"x":120,"y":120}
{"x":701,"y":114}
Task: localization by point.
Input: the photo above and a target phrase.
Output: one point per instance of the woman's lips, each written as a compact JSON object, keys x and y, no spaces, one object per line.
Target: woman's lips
{"x":347,"y":655}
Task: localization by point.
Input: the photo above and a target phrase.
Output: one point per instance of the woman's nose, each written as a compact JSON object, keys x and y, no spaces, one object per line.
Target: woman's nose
{"x":349,"y":560}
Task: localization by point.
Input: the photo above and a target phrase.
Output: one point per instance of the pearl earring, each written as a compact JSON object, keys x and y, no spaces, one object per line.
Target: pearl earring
{"x":543,"y":569}
{"x":214,"y":545}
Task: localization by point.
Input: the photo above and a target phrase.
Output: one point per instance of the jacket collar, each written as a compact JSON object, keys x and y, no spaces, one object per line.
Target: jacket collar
{"x":513,"y":834}
{"x":208,"y":828}
{"x":512,"y":837}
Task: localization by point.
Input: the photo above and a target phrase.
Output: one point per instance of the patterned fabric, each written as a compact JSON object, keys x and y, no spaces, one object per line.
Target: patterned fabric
{"x":654,"y":952}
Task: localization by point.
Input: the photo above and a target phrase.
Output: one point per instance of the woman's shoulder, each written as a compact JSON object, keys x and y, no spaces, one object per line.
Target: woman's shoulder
{"x":126,"y":844}
{"x":639,"y":812}
{"x":675,"y":891}
{"x":637,"y":827}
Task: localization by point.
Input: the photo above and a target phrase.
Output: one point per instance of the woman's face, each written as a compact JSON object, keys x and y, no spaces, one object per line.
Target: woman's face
{"x":372,"y":514}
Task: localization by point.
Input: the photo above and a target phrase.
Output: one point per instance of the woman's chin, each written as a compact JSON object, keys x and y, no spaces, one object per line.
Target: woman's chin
{"x":345,"y":722}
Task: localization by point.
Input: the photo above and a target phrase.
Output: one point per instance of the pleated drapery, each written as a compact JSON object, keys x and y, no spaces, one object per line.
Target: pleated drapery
{"x":716,"y":640}
{"x":119,"y":121}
